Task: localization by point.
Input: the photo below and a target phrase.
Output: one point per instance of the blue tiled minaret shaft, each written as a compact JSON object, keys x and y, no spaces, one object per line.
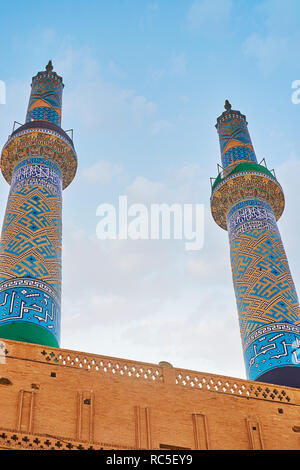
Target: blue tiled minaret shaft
{"x":38,"y":161}
{"x":247,"y":201}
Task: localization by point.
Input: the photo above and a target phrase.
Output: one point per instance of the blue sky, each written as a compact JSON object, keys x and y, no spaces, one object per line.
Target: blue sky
{"x":144,"y":83}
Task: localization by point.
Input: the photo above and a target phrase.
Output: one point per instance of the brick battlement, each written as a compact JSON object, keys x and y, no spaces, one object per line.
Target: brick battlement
{"x":52,"y":398}
{"x":126,"y":369}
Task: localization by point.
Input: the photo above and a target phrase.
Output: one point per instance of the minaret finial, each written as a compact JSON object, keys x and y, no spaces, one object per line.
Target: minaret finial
{"x":227,"y":105}
{"x":49,"y":66}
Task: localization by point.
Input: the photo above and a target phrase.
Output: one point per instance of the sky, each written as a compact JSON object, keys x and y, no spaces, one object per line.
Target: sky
{"x":144,"y":84}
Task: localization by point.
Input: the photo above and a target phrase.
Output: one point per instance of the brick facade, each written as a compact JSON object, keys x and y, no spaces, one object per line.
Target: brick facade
{"x":54,"y":398}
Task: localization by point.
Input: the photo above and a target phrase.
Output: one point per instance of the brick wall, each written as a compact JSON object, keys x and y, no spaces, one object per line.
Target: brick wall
{"x":60,"y":399}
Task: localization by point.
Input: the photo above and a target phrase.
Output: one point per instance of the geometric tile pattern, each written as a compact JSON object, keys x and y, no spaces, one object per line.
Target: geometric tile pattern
{"x":38,"y":161}
{"x":31,"y":235}
{"x":30,"y":246}
{"x":46,"y":98}
{"x":238,"y":153}
{"x":264,"y":289}
{"x":248,"y":204}
{"x":235,"y":142}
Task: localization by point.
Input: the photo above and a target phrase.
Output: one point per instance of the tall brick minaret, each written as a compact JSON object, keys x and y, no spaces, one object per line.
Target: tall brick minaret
{"x":247,"y":201}
{"x":38,"y":161}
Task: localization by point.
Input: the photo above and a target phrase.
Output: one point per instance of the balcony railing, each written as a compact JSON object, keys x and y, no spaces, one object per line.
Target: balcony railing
{"x":223,"y":172}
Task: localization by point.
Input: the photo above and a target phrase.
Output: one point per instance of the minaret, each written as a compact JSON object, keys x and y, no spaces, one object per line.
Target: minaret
{"x":247,"y":201}
{"x":38,"y":161}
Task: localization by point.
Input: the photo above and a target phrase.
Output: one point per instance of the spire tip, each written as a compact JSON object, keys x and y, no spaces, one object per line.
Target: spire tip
{"x":49,"y":66}
{"x":227,"y":105}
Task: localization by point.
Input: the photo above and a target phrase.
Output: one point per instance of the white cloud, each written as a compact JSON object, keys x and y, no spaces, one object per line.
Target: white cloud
{"x":269,"y":51}
{"x":151,"y":12}
{"x":175,"y":66}
{"x":178,"y":64}
{"x":150,"y":299}
{"x":93,"y":104}
{"x":184,"y":99}
{"x":143,"y":190}
{"x":101,"y":172}
{"x":157,"y":73}
{"x":208,"y":16}
{"x":159,"y":126}
{"x":116,"y":70}
{"x":288,"y":176}
{"x":277,"y":46}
